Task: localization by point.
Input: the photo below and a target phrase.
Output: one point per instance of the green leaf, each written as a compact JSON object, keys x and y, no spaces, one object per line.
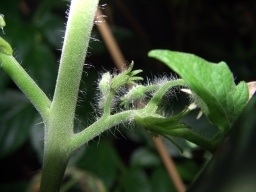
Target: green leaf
{"x":188,"y":169}
{"x":212,"y":85}
{"x":161,"y":181}
{"x":52,"y":27}
{"x":102,"y":160}
{"x":16,"y":118}
{"x":135,"y":180}
{"x":41,"y":65}
{"x":143,"y":157}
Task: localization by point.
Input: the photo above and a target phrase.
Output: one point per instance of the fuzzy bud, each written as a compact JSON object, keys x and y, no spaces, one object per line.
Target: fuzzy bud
{"x":127,"y":77}
{"x":104,"y":83}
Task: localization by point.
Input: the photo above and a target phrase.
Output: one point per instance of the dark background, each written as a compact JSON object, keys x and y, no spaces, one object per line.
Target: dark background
{"x":123,"y":158}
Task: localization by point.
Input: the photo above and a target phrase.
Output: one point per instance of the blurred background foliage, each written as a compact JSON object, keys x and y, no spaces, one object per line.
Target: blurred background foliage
{"x":122,"y":159}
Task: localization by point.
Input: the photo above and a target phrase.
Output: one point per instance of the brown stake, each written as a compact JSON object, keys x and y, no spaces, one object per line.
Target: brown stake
{"x":110,"y":42}
{"x":169,"y":164}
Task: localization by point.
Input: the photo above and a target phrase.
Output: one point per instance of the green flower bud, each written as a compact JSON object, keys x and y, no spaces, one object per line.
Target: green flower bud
{"x":119,"y":81}
{"x":127,"y":77}
{"x":2,"y":22}
{"x":104,"y":83}
{"x":5,"y":47}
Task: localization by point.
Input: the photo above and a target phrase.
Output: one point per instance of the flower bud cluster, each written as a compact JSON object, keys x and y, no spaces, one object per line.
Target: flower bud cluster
{"x":110,"y":84}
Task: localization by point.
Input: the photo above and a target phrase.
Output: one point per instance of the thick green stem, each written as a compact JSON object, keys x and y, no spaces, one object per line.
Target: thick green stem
{"x":59,"y":126}
{"x":26,"y":84}
{"x":77,"y":36}
{"x":53,"y":170}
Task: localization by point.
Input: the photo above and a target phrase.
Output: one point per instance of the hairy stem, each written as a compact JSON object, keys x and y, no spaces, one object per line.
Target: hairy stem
{"x":108,"y":103}
{"x":26,"y":84}
{"x":55,"y":163}
{"x":194,"y":138}
{"x":77,"y":36}
{"x":59,"y":127}
{"x":100,"y":126}
{"x":156,"y":99}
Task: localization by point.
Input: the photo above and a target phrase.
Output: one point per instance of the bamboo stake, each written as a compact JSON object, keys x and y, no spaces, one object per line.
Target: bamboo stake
{"x":110,"y":42}
{"x":169,"y":165}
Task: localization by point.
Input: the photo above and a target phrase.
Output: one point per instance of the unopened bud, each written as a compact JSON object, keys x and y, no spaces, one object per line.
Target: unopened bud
{"x":104,"y":83}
